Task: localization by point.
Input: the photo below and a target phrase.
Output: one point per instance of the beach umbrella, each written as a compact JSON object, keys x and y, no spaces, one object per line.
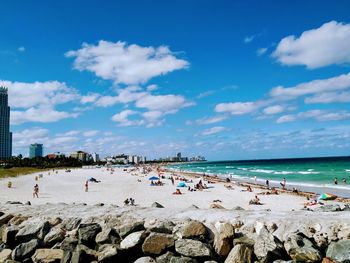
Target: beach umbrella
{"x":326,"y":196}
{"x":153,"y":178}
{"x":181,"y":184}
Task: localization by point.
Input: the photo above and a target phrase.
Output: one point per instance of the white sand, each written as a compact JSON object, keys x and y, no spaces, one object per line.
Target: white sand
{"x":115,"y":188}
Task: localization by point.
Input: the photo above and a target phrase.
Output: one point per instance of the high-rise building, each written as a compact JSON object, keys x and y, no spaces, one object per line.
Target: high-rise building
{"x":5,"y":134}
{"x":35,"y":150}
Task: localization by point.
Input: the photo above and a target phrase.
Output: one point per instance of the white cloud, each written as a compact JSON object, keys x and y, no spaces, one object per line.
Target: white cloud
{"x":236,"y":108}
{"x":318,"y":115}
{"x":248,"y":39}
{"x":286,"y":118}
{"x":323,"y":46}
{"x":127,"y":64}
{"x":91,"y":133}
{"x":211,"y":120}
{"x":166,"y":103}
{"x":329,"y":97}
{"x":275,"y":109}
{"x":123,"y":118}
{"x":213,"y":130}
{"x":261,"y":51}
{"x":127,"y":95}
{"x":89,"y":98}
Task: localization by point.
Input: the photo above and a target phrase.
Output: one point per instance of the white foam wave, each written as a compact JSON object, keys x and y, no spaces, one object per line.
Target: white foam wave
{"x":307,"y":172}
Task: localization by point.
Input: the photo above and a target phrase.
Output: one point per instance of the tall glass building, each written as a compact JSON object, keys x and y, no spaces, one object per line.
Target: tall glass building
{"x":35,"y":150}
{"x":5,"y":134}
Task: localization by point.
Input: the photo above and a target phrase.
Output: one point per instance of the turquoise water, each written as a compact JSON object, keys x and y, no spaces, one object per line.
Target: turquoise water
{"x":305,"y":172}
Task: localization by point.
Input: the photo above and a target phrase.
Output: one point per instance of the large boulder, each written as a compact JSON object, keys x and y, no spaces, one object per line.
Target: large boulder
{"x":299,"y":248}
{"x":156,"y":243}
{"x":129,"y":227}
{"x":83,"y":254}
{"x":55,"y":235}
{"x":145,"y":260}
{"x":69,"y":244}
{"x":107,"y":236}
{"x":160,"y":226}
{"x":5,"y":254}
{"x":47,"y":256}
{"x":182,"y":260}
{"x":71,"y":223}
{"x":87,"y":233}
{"x":339,"y":251}
{"x":25,"y":250}
{"x":192,"y":248}
{"x":33,"y":229}
{"x":194,"y":230}
{"x":9,"y":235}
{"x":165,"y":258}
{"x":132,"y":240}
{"x":328,"y":208}
{"x":107,"y":253}
{"x":267,"y":247}
{"x":5,"y":218}
{"x":157,"y":205}
{"x":223,"y":240}
{"x":240,"y":254}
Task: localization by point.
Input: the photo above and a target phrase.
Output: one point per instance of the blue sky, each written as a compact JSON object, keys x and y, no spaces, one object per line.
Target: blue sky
{"x":223,"y":79}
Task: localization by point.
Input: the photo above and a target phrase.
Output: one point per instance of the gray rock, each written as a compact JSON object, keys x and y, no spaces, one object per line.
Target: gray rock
{"x":192,"y":248}
{"x":132,"y":240}
{"x":157,"y":205}
{"x":47,"y":256}
{"x":5,"y":254}
{"x":69,"y":244}
{"x":160,"y":226}
{"x":107,"y":253}
{"x":240,"y":254}
{"x":299,"y":248}
{"x":9,"y":235}
{"x":25,"y":250}
{"x":129,"y":227}
{"x":328,"y":208}
{"x":87,"y":233}
{"x":182,"y":260}
{"x":223,"y":239}
{"x":145,"y":260}
{"x":30,"y":229}
{"x":267,"y":247}
{"x":238,"y":208}
{"x":244,"y":240}
{"x":71,"y":223}
{"x":67,"y":255}
{"x":83,"y":254}
{"x":107,"y":235}
{"x":14,"y":203}
{"x":194,"y":230}
{"x":55,"y":235}
{"x":156,"y":243}
{"x":5,"y":218}
{"x":165,"y":258}
{"x":339,"y":251}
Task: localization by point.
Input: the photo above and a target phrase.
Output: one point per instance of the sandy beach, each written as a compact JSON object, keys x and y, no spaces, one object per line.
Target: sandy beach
{"x":68,"y":187}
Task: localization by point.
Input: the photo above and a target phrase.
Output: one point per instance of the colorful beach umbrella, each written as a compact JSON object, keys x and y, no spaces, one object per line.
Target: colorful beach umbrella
{"x":326,"y":196}
{"x":153,"y":178}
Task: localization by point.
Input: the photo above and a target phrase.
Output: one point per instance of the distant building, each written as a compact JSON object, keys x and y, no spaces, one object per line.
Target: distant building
{"x":35,"y":150}
{"x":55,"y":155}
{"x":80,"y":155}
{"x":96,"y":157}
{"x":5,"y":134}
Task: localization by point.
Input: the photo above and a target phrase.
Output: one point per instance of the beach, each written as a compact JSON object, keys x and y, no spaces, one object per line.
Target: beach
{"x":68,"y":187}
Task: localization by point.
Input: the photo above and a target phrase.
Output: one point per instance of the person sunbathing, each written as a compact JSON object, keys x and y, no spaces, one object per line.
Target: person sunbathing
{"x":255,"y":201}
{"x":177,"y":192}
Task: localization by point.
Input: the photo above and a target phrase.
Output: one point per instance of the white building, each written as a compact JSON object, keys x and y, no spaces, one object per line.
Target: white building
{"x":96,"y":157}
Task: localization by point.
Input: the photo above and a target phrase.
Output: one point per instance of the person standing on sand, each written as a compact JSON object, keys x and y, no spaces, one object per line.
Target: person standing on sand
{"x":284,"y":183}
{"x":268,"y":183}
{"x":36,"y":191}
{"x":86,"y":186}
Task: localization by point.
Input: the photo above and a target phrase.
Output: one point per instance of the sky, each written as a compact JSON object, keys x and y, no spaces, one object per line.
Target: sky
{"x":225,"y":79}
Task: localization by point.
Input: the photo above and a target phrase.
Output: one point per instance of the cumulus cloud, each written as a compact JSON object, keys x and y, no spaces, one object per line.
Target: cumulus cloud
{"x":89,"y":98}
{"x":315,"y":48}
{"x":123,"y":118}
{"x":213,"y":130}
{"x":329,"y":97}
{"x":318,"y":115}
{"x":236,"y":108}
{"x":211,"y":120}
{"x":91,"y":133}
{"x":124,"y":63}
{"x":166,"y":103}
{"x":275,"y":109}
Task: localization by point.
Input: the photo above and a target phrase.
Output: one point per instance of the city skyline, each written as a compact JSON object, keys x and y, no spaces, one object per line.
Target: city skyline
{"x":5,"y":134}
{"x":225,"y":80}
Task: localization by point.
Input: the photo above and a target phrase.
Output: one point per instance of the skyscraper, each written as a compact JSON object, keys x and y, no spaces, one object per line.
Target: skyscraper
{"x":5,"y":134}
{"x":35,"y":150}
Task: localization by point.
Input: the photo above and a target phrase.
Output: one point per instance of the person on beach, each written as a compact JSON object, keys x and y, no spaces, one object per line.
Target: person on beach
{"x":283,"y":183}
{"x":335,"y":180}
{"x":36,"y":191}
{"x":268,"y":183}
{"x":87,"y":186}
{"x":255,"y":179}
{"x":344,"y":181}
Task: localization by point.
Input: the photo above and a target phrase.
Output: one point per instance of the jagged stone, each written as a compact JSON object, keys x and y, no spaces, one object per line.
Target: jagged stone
{"x":145,"y":260}
{"x":9,"y":235}
{"x":55,"y":221}
{"x":71,"y":223}
{"x":165,"y":258}
{"x":25,"y":250}
{"x":194,"y":230}
{"x":54,"y":236}
{"x":192,"y":248}
{"x":88,"y":232}
{"x":107,"y":235}
{"x":30,"y":229}
{"x":5,"y":218}
{"x":17,"y":220}
{"x":132,"y":240}
{"x":107,"y":253}
{"x":223,"y":239}
{"x":47,"y":256}
{"x":244,"y":240}
{"x":216,"y":206}
{"x":182,"y":260}
{"x":299,"y":248}
{"x":160,"y":226}
{"x":157,"y":243}
{"x":328,"y":208}
{"x":130,"y":227}
{"x":83,"y":254}
{"x":240,"y":254}
{"x":157,"y":205}
{"x":339,"y":251}
{"x":69,"y":244}
{"x":5,"y":254}
{"x":238,"y":208}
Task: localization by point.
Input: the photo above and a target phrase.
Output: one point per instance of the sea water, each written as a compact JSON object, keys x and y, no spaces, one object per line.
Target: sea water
{"x":309,"y":174}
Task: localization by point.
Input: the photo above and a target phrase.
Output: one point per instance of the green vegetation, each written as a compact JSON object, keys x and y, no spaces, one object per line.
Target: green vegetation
{"x":15,"y":171}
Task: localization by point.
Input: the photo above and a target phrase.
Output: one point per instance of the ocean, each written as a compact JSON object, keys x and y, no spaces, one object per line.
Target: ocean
{"x":307,"y":174}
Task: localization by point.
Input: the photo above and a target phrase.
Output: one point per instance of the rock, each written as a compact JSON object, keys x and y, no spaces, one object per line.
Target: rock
{"x":157,"y":205}
{"x":47,"y":256}
{"x":54,"y":236}
{"x":25,"y":250}
{"x":156,"y":243}
{"x":67,"y":255}
{"x":326,"y":260}
{"x":216,"y":206}
{"x":69,"y":244}
{"x":244,"y":240}
{"x":9,"y":235}
{"x":107,"y":253}
{"x":17,"y":220}
{"x":145,"y":260}
{"x":267,"y":247}
{"x":55,"y":221}
{"x":160,"y":226}
{"x":5,"y":254}
{"x":328,"y":208}
{"x":87,"y":233}
{"x":100,"y":204}
{"x":299,"y":248}
{"x":30,"y":229}
{"x":71,"y":223}
{"x":5,"y":218}
{"x":129,"y":227}
{"x":14,"y":203}
{"x":210,"y":261}
{"x":339,"y":251}
{"x":107,"y":235}
{"x":238,"y":208}
{"x":165,"y":258}
{"x":83,"y":254}
{"x":194,"y":230}
{"x":28,"y":203}
{"x":240,"y":254}
{"x":223,"y":240}
{"x":132,"y":240}
{"x":192,"y":248}
{"x":182,"y":260}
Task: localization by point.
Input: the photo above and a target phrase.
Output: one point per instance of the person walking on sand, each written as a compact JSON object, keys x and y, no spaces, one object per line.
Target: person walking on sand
{"x":284,"y":183}
{"x":36,"y":191}
{"x":86,"y":186}
{"x":268,"y":183}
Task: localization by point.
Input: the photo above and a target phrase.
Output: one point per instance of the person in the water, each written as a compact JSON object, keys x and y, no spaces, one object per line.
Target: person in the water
{"x":335,"y":180}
